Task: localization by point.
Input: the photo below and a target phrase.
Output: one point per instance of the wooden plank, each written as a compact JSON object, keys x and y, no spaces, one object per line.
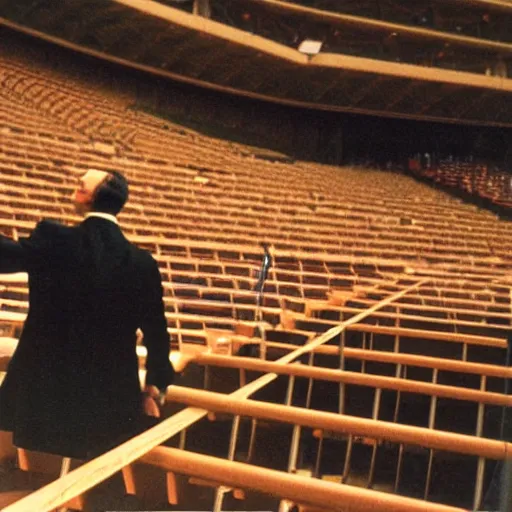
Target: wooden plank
{"x":386,"y":27}
{"x":92,"y":473}
{"x":342,"y":423}
{"x":304,"y":490}
{"x":504,"y":372}
{"x":471,"y":339}
{"x":411,"y":318}
{"x":452,"y":365}
{"x":360,"y":379}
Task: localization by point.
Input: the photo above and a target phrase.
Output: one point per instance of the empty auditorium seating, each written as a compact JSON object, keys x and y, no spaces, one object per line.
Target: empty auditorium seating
{"x":493,"y":185}
{"x":342,"y":240}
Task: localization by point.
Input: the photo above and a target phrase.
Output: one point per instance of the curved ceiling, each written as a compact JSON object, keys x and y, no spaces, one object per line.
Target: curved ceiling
{"x":173,"y":43}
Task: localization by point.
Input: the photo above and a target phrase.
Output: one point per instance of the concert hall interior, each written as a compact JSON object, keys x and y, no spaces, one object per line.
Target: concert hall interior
{"x":326,"y":188}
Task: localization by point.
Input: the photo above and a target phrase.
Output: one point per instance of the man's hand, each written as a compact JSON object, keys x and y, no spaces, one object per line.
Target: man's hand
{"x":152,"y":401}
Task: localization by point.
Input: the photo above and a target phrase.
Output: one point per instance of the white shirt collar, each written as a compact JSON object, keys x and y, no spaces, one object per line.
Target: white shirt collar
{"x":106,"y":216}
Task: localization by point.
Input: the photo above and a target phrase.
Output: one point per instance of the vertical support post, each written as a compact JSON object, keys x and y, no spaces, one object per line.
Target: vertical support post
{"x":500,"y":488}
{"x":480,"y":472}
{"x":431,"y":425}
{"x":464,"y":351}
{"x":183,"y":439}
{"x":202,"y":8}
{"x":363,"y":363}
{"x":396,"y":345}
{"x":263,"y":342}
{"x":219,"y":498}
{"x":341,"y":397}
{"x":242,"y":377}
{"x":399,"y":467}
{"x":402,"y":372}
{"x":64,"y":470}
{"x":375,"y":416}
{"x":348,"y":456}
{"x":295,"y":443}
{"x":319,"y":455}
{"x":309,"y":394}
{"x":252,"y":439}
{"x":506,"y":484}
{"x":294,"y":448}
{"x":221,"y":491}
{"x":234,"y":438}
{"x":206,"y":377}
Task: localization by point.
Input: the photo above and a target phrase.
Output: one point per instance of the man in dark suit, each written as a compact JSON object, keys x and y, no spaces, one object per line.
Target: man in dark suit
{"x":72,"y":386}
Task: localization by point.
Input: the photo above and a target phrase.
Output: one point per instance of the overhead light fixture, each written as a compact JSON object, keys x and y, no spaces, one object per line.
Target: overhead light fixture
{"x":310,"y":47}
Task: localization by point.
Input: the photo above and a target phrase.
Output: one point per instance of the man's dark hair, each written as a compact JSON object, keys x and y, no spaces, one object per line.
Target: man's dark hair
{"x":111,"y":195}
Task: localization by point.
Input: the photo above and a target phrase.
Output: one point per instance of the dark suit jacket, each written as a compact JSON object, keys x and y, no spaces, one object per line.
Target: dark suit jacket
{"x":72,"y":386}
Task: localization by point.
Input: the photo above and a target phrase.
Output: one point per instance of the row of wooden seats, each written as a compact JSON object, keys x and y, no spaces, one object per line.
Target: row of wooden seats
{"x":335,"y":207}
{"x":58,"y":98}
{"x":187,"y":314}
{"x":23,"y":228}
{"x":228,"y":289}
{"x":382,"y":241}
{"x":174,"y":265}
{"x":475,"y":179}
{"x":233,"y":268}
{"x":54,"y":197}
{"x":178,"y":226}
{"x":24,"y":119}
{"x":190,"y":268}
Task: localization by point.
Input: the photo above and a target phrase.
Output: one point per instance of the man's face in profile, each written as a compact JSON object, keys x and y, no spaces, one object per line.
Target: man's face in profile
{"x":83,"y":196}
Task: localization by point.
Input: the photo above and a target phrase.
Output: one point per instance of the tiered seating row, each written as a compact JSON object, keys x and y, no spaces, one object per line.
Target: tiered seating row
{"x":343,"y":242}
{"x":475,"y":179}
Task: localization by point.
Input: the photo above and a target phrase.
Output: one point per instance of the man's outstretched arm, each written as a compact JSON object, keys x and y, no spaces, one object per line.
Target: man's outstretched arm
{"x":19,"y":256}
{"x":12,"y":256}
{"x":160,"y":372}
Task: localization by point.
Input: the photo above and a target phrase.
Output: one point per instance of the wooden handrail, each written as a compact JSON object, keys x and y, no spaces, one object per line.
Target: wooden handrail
{"x":412,"y":318}
{"x":94,"y":472}
{"x":341,"y":19}
{"x":451,"y":365}
{"x":366,"y":427}
{"x":300,"y":489}
{"x":457,"y":310}
{"x":471,"y":339}
{"x":358,"y":379}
